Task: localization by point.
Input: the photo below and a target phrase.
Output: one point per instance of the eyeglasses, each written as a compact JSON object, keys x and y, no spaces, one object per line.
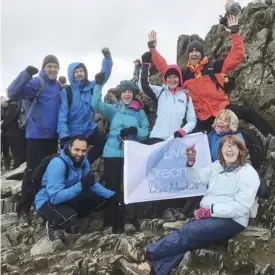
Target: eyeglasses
{"x":232,"y":146}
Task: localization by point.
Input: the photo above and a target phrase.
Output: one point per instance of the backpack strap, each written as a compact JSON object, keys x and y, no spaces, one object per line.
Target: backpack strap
{"x":212,"y":75}
{"x":35,"y":100}
{"x":161,"y":92}
{"x":67,"y":172}
{"x":69,"y":95}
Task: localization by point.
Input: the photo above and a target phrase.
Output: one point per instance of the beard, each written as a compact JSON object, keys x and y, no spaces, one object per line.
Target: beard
{"x":75,"y":163}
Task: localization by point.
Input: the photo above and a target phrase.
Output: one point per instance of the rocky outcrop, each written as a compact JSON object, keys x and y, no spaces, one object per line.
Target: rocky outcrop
{"x":94,"y":252}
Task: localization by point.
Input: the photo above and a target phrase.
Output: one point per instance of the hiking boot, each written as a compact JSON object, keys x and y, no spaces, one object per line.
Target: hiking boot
{"x":169,"y":215}
{"x":129,"y":229}
{"x":24,"y":219}
{"x":179,"y":215}
{"x":55,"y":235}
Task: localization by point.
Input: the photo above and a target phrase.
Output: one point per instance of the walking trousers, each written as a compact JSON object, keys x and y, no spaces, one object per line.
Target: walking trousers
{"x":167,"y":252}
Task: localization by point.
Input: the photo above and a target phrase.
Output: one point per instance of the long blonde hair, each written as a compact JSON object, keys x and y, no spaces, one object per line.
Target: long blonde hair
{"x":233,"y":120}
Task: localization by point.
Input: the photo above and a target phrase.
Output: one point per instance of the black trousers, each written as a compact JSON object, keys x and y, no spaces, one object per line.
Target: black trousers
{"x":5,"y":146}
{"x":64,"y":215}
{"x":246,"y":113}
{"x":98,"y":140}
{"x":37,"y":150}
{"x":18,"y":148}
{"x":117,"y":212}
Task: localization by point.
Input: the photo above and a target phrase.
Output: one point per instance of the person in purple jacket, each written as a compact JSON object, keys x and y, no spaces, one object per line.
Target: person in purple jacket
{"x":41,"y":95}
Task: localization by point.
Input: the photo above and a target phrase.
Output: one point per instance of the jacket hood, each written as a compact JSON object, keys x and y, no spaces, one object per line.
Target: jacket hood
{"x":178,"y":69}
{"x":64,"y":155}
{"x":75,"y":82}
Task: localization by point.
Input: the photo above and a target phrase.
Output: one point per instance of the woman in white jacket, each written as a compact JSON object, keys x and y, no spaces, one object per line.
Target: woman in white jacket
{"x":224,"y":210}
{"x":175,"y":113}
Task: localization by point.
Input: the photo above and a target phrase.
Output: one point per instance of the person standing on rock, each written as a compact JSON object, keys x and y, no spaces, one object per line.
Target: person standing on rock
{"x":76,"y":117}
{"x":137,"y":69}
{"x":224,"y":211}
{"x":175,"y":112}
{"x":204,"y":81}
{"x":69,"y":191}
{"x":41,"y":94}
{"x":128,"y":122}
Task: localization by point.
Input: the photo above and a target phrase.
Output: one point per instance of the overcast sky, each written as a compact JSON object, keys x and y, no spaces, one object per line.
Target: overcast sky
{"x":77,"y":30}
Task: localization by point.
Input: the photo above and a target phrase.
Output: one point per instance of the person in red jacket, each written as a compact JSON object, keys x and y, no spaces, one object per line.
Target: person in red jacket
{"x":204,"y":80}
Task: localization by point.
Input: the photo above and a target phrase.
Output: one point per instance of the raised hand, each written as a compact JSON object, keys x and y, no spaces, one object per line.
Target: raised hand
{"x":232,"y":24}
{"x":152,"y":39}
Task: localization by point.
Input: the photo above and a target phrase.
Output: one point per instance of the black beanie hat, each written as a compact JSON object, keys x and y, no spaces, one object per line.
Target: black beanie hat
{"x":195,"y":45}
{"x":172,"y":71}
{"x":50,"y":59}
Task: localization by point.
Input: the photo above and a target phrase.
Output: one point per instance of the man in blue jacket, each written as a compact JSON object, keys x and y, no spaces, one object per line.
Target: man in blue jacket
{"x":62,"y":200}
{"x":41,"y":95}
{"x":77,"y":117}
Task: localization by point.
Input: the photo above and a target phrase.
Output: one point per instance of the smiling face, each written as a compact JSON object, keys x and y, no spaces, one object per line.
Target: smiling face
{"x":79,"y":73}
{"x":127,"y":96}
{"x":194,"y":57}
{"x":51,"y":70}
{"x":230,"y":152}
{"x":172,"y":81}
{"x":222,"y":123}
{"x":78,"y":150}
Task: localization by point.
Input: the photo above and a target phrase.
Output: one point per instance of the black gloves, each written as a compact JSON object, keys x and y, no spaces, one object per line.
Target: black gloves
{"x":64,"y":141}
{"x":87,"y":181}
{"x":234,"y":29}
{"x":146,"y":58}
{"x":99,"y":78}
{"x":106,"y":51}
{"x":31,"y":70}
{"x":128,"y":132}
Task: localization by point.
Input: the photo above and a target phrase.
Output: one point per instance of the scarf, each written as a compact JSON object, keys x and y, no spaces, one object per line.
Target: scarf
{"x":231,"y":167}
{"x":198,"y":68}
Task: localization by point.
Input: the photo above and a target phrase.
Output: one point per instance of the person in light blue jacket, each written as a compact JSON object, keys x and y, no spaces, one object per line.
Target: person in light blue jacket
{"x":128,"y":121}
{"x":76,"y":116}
{"x":62,"y":199}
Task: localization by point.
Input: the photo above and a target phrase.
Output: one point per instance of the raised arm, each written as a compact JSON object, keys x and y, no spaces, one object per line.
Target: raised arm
{"x":97,"y":104}
{"x":191,"y":119}
{"x":107,"y":65}
{"x":24,"y":86}
{"x":236,"y":54}
{"x":159,"y":61}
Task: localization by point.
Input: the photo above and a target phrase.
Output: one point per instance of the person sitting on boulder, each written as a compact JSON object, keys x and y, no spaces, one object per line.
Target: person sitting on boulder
{"x":76,"y":117}
{"x":203,"y":79}
{"x":174,"y":104}
{"x":69,"y":191}
{"x":224,"y":210}
{"x":128,"y":121}
{"x":136,"y":71}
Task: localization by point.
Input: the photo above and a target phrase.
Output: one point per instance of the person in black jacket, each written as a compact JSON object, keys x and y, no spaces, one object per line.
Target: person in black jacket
{"x":15,"y":136}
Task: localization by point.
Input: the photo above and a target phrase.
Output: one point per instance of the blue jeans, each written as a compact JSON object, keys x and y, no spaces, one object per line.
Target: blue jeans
{"x":167,"y":252}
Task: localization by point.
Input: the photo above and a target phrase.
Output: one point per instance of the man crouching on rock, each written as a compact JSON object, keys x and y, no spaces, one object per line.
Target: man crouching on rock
{"x":69,"y":190}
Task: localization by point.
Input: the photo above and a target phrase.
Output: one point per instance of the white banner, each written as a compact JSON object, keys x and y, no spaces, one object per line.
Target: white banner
{"x":158,"y":172}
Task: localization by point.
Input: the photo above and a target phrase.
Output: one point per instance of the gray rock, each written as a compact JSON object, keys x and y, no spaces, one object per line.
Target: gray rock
{"x":257,"y":232}
{"x":10,"y":257}
{"x":16,"y":174}
{"x":74,"y":256}
{"x":174,"y":225}
{"x":43,"y":246}
{"x":8,"y":220}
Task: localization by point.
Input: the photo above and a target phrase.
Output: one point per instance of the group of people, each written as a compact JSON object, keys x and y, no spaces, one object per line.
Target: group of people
{"x":191,"y":100}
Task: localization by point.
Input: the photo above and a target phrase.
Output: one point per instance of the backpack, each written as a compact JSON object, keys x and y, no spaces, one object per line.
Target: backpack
{"x":211,"y":73}
{"x":40,"y":170}
{"x":23,"y":114}
{"x":254,"y":145}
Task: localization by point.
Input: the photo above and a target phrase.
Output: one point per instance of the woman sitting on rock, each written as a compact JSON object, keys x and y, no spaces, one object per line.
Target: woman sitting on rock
{"x":226,"y":123}
{"x":224,"y":210}
{"x":128,"y":121}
